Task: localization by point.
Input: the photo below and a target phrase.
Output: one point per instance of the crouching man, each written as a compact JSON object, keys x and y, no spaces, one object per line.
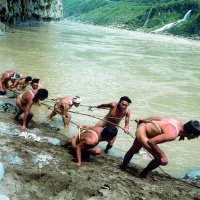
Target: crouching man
{"x":88,"y":138}
{"x":153,"y":131}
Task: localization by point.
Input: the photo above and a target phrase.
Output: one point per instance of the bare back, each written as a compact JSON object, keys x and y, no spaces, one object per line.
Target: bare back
{"x":153,"y":128}
{"x":65,"y":103}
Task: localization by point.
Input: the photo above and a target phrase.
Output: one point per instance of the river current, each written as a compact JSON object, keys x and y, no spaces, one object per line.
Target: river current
{"x":160,"y":74}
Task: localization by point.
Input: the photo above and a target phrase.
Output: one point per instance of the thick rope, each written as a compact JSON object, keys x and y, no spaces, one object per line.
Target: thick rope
{"x":57,"y":112}
{"x":134,"y":138}
{"x":92,"y":117}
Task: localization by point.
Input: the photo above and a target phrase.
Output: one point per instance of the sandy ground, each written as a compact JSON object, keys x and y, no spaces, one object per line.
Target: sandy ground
{"x":58,"y":178}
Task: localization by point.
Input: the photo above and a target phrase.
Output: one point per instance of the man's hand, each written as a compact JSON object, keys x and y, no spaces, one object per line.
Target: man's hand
{"x":23,"y":128}
{"x":126,"y":129}
{"x":164,"y":160}
{"x":79,"y":125}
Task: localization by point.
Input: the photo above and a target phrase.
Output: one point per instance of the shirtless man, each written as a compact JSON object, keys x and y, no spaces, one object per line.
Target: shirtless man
{"x":156,"y":130}
{"x":25,"y":101}
{"x":5,"y":78}
{"x":86,"y":140}
{"x":116,"y":113}
{"x":35,"y":85}
{"x":20,"y":84}
{"x":24,"y":82}
{"x":62,"y":105}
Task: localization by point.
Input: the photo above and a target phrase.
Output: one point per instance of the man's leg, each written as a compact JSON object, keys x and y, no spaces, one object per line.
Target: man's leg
{"x":18,"y":114}
{"x":93,"y":151}
{"x":67,"y":143}
{"x":151,"y":166}
{"x":101,"y":123}
{"x":128,"y":156}
{"x":29,"y":117}
{"x":66,"y":119}
{"x":52,"y":114}
{"x":142,"y":138}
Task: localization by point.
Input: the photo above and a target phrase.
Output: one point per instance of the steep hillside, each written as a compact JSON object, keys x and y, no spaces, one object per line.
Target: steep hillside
{"x":27,"y":11}
{"x":143,"y":15}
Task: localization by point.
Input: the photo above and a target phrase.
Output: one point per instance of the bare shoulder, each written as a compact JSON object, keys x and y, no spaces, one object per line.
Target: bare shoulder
{"x":113,"y":104}
{"x":27,"y":95}
{"x":67,"y":98}
{"x":173,"y":120}
{"x":97,"y":129}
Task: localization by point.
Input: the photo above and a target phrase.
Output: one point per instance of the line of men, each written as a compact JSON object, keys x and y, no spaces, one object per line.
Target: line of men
{"x":149,"y":134}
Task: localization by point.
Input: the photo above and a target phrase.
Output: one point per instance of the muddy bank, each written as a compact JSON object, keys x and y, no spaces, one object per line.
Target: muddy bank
{"x":42,"y":169}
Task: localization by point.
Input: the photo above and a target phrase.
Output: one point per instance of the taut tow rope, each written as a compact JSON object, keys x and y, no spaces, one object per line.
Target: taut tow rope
{"x":49,"y":107}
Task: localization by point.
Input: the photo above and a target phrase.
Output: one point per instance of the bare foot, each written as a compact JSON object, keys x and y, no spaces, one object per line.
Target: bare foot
{"x":105,"y":151}
{"x":122,"y":167}
{"x":143,"y":175}
{"x":17,"y":118}
{"x":29,"y":125}
{"x":49,"y":116}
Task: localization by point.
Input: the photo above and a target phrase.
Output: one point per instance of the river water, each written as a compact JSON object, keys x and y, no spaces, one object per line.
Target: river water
{"x":161,"y":75}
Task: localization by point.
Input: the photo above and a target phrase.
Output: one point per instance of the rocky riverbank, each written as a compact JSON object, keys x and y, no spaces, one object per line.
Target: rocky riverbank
{"x":34,"y":166}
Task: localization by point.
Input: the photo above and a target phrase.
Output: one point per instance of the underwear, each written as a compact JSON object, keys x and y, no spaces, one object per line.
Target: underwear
{"x":60,"y":104}
{"x":106,"y":120}
{"x":22,"y":100}
{"x":2,"y":92}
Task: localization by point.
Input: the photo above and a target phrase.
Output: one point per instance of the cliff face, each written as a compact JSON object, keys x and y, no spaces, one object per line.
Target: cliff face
{"x":30,"y":11}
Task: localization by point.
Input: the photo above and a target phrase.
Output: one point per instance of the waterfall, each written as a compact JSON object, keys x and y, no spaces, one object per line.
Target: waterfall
{"x":187,"y":15}
{"x":148,"y":17}
{"x":170,"y":25}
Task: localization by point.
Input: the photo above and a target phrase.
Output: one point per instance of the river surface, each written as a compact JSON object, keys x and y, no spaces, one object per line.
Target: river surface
{"x":160,"y":74}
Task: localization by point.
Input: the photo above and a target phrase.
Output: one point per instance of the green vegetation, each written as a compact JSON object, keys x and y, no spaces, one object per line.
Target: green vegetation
{"x":133,"y":14}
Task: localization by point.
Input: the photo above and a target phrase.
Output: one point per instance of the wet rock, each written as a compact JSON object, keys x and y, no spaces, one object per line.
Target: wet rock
{"x":8,"y":108}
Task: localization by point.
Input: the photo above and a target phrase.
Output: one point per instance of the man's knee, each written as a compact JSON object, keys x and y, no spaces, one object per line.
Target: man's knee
{"x":133,"y":150}
{"x":30,"y":115}
{"x":98,"y":151}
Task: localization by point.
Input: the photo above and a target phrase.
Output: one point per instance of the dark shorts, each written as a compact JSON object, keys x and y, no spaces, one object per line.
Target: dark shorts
{"x":2,"y":92}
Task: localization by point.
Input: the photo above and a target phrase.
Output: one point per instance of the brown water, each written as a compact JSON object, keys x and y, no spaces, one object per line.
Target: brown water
{"x":161,"y":74}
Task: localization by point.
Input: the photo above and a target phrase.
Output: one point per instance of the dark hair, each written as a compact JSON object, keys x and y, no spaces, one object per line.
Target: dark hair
{"x":41,"y":94}
{"x":109,"y":132}
{"x":35,"y":80}
{"x":125,"y":98}
{"x":191,"y":127}
{"x":28,"y":78}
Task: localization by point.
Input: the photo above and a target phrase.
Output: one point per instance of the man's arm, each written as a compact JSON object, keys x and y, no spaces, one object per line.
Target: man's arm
{"x":13,"y":87}
{"x":110,"y":144}
{"x":167,"y":136}
{"x":106,"y":105}
{"x":149,"y":118}
{"x":127,"y":119}
{"x":58,"y":98}
{"x":26,"y":113}
{"x":82,"y":145}
{"x":74,"y":141}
